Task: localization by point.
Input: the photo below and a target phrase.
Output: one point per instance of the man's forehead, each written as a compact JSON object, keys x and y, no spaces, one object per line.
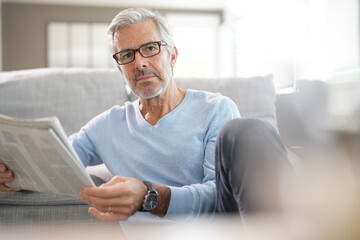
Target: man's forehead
{"x":133,"y":36}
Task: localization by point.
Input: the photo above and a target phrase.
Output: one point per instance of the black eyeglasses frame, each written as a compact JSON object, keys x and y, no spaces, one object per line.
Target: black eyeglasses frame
{"x":138,"y":50}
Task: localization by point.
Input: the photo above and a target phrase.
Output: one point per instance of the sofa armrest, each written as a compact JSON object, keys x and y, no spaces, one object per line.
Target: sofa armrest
{"x":301,"y":114}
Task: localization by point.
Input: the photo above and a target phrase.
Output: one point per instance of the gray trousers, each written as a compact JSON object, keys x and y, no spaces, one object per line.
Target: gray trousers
{"x":250,"y":160}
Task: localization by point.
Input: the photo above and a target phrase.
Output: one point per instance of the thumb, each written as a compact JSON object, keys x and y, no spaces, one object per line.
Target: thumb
{"x":4,"y":188}
{"x":113,"y":181}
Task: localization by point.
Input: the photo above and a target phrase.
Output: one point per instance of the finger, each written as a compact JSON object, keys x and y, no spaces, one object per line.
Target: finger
{"x":2,"y":168}
{"x":5,"y":180}
{"x":124,"y":205}
{"x":98,"y":192}
{"x":114,"y":180}
{"x":4,"y":188}
{"x":103,"y":204}
{"x":6,"y":174}
{"x":125,"y":211}
{"x":106,"y":217}
{"x":104,"y":191}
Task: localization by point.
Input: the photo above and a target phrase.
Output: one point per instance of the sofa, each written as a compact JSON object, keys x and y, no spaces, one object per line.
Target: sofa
{"x":76,"y":95}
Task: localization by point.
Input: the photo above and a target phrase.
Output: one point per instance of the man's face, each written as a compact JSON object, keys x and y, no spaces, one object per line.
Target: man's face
{"x":147,"y":77}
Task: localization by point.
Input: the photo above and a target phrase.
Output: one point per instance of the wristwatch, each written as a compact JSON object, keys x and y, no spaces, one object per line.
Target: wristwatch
{"x":151,"y":198}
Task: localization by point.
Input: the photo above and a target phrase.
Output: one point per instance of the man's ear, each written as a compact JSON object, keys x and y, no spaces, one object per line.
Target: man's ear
{"x":173,"y":58}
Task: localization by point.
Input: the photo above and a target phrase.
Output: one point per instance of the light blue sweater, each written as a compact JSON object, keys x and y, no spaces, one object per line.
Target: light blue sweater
{"x":179,"y":151}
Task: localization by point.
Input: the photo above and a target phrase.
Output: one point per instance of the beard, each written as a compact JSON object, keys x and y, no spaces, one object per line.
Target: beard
{"x":149,"y":89}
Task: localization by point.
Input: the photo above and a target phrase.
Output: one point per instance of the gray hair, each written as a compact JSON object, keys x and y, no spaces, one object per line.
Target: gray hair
{"x":132,"y":16}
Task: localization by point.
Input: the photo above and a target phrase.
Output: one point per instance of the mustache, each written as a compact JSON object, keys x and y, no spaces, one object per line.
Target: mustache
{"x":144,"y":72}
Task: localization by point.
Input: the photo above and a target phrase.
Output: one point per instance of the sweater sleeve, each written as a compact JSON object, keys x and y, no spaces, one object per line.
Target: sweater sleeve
{"x":200,"y":197}
{"x":84,"y":146}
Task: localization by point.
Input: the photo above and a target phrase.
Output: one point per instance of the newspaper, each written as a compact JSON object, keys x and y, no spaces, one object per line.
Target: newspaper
{"x":40,"y":156}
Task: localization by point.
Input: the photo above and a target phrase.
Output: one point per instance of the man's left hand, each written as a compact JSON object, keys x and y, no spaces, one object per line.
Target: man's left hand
{"x":118,"y":199}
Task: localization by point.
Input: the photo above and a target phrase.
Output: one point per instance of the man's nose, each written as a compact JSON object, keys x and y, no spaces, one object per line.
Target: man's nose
{"x":140,"y":61}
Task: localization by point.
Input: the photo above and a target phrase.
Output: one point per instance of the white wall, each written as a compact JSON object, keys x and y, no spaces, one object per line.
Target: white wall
{"x":343,"y":34}
{"x":331,"y":43}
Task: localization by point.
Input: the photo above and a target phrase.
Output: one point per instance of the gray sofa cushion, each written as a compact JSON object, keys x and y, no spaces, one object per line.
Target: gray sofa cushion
{"x":39,"y":199}
{"x":11,"y":215}
{"x":75,"y":95}
{"x":255,"y":96}
{"x":38,"y":208}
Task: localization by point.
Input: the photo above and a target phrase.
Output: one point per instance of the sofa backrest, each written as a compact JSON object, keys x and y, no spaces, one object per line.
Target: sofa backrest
{"x":74,"y":95}
{"x":255,"y":97}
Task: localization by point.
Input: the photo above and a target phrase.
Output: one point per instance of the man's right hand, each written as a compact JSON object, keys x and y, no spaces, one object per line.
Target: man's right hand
{"x":6,"y":175}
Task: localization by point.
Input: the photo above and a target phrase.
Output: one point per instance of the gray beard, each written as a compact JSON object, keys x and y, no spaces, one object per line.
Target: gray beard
{"x":156,"y":94}
{"x":146,"y":97}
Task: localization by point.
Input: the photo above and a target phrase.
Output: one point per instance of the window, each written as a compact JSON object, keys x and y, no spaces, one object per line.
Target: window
{"x":195,"y":37}
{"x":296,"y":39}
{"x":73,"y":44}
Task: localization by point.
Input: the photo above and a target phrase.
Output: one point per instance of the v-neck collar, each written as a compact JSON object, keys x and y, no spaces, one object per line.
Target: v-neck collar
{"x":176,"y":109}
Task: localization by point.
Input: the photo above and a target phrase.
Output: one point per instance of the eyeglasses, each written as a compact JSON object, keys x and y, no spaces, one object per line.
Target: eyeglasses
{"x":147,"y":50}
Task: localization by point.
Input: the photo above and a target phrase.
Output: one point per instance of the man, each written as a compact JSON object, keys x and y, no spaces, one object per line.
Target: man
{"x":167,"y":137}
{"x":161,"y":147}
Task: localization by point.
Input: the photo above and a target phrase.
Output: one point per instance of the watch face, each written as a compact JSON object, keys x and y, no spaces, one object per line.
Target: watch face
{"x":150,"y":201}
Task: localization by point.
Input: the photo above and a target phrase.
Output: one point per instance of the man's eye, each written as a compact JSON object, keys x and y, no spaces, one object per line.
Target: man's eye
{"x":125,"y":56}
{"x":151,"y":47}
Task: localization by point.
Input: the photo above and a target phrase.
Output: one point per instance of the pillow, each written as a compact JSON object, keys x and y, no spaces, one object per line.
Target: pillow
{"x":255,"y":96}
